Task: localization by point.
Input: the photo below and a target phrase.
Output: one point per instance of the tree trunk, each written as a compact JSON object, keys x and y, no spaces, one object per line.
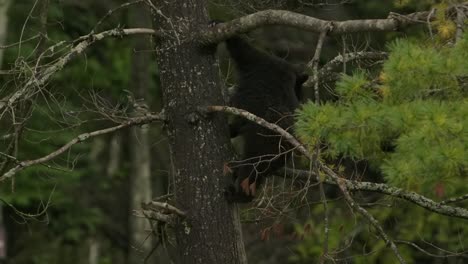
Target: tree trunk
{"x":94,"y":250}
{"x":140,"y":178}
{"x":199,"y":145}
{"x":4,"y":4}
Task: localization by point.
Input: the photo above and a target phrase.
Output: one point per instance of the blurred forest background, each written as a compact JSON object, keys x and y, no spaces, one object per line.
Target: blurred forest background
{"x":398,"y":118}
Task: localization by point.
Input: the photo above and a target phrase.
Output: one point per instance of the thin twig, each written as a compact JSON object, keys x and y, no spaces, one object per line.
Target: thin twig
{"x":328,"y":68}
{"x":455,"y":199}
{"x":110,"y":12}
{"x":19,"y":42}
{"x":315,"y":61}
{"x":314,"y":65}
{"x":39,"y":79}
{"x":461,"y":254}
{"x":371,"y":220}
{"x":80,"y":138}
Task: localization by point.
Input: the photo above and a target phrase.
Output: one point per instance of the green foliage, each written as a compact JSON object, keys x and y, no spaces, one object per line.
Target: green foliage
{"x":414,"y":71}
{"x":351,"y":237}
{"x":353,"y":88}
{"x":413,"y":127}
{"x":311,"y":234}
{"x":410,"y":125}
{"x":70,"y":186}
{"x":432,"y":145}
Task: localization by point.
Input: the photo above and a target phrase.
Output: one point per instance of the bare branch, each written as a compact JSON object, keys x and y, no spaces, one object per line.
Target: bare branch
{"x":161,"y":211}
{"x":239,"y":112}
{"x":315,"y":61}
{"x":456,"y":199}
{"x":345,"y":58}
{"x":42,"y":77}
{"x":80,"y":138}
{"x":422,"y":201}
{"x":156,"y":216}
{"x":166,"y":207}
{"x":23,"y":110}
{"x":112,"y":11}
{"x":371,"y":220}
{"x":414,"y":245}
{"x":352,"y":56}
{"x":249,"y":22}
{"x":20,"y":42}
{"x":315,"y":76}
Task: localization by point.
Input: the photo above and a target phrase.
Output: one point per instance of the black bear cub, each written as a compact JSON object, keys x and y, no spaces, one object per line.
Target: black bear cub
{"x":268,"y":87}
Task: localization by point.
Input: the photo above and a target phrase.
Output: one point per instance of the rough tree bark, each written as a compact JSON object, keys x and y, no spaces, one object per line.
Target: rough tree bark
{"x":199,"y":145}
{"x":140,"y":178}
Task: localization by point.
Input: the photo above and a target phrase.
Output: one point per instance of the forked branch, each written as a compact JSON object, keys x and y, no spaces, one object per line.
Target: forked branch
{"x":42,"y":77}
{"x":287,"y":18}
{"x":21,"y":165}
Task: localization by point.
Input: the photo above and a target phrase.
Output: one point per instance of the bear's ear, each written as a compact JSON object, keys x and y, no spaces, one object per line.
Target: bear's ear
{"x":300,"y":70}
{"x":301,"y":78}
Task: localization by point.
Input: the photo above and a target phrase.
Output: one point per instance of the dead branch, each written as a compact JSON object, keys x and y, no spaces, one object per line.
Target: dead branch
{"x":326,"y":73}
{"x":353,"y":56}
{"x":167,"y":208}
{"x":314,"y":64}
{"x":80,"y":138}
{"x":161,"y":212}
{"x":20,"y":42}
{"x":262,"y":122}
{"x":369,"y":218}
{"x":250,"y":22}
{"x":422,"y":201}
{"x":455,"y":199}
{"x":448,"y":255}
{"x":112,"y":11}
{"x":39,"y":79}
{"x":155,"y":216}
